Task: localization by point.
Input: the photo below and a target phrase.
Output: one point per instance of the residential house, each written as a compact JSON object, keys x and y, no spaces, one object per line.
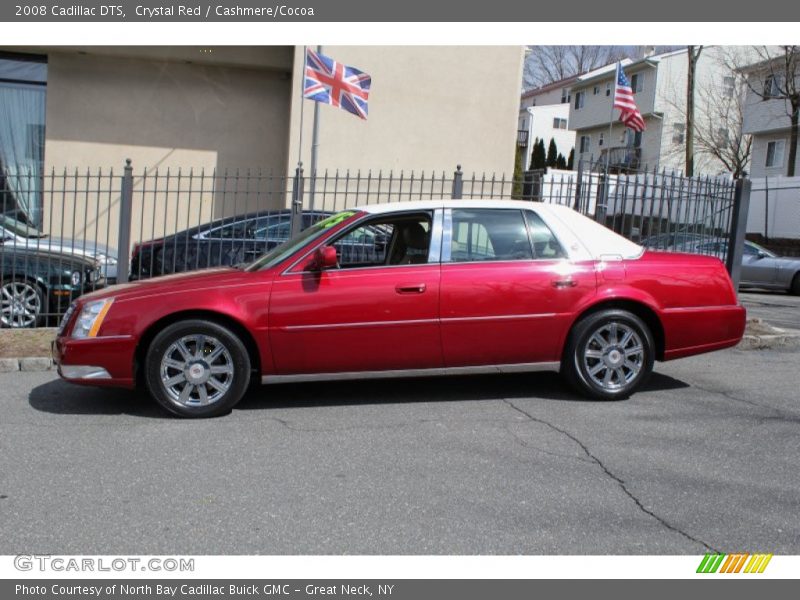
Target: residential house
{"x":659,"y":83}
{"x":544,"y":114}
{"x":766,"y":118}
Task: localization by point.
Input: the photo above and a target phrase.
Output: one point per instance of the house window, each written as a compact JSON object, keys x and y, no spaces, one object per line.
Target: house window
{"x":772,"y":86}
{"x":608,"y":89}
{"x":600,"y":139}
{"x":586,"y":142}
{"x":596,"y":90}
{"x":637,"y":80}
{"x":559,"y":123}
{"x":579,"y":100}
{"x":775,"y":153}
{"x":722,"y":136}
{"x":564,"y":96}
{"x":633,"y":139}
{"x":729,"y":86}
{"x":678,"y":130}
{"x":23,"y":80}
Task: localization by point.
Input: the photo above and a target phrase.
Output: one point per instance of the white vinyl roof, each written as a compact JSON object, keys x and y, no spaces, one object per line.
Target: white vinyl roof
{"x":582,"y":238}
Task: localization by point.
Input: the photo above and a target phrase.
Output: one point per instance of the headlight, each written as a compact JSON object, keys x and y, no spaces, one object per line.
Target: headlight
{"x":91,"y":317}
{"x":76,"y":279}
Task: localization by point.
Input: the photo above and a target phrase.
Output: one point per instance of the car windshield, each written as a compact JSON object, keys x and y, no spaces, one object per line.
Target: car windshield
{"x":282,"y":251}
{"x":14,"y":226}
{"x":756,"y":249}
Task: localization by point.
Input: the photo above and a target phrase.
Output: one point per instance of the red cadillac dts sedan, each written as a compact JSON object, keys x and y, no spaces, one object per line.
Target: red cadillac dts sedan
{"x":410,"y":288}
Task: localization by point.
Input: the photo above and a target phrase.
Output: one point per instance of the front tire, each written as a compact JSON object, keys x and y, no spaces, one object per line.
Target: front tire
{"x":609,"y":355}
{"x":197,"y":369}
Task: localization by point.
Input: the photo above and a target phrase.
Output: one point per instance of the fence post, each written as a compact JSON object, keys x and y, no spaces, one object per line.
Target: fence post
{"x":458,"y":184}
{"x":124,"y":237}
{"x":741,"y":207}
{"x":578,"y":186}
{"x":297,"y":201}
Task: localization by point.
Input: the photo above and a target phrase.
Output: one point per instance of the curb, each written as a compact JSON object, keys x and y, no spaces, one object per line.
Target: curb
{"x":27,"y":363}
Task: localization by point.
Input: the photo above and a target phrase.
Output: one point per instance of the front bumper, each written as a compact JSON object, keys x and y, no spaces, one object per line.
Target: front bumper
{"x":105,"y":361}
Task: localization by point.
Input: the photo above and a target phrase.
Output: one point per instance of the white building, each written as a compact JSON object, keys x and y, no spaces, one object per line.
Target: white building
{"x":659,"y":85}
{"x":767,"y":120}
{"x":544,"y":114}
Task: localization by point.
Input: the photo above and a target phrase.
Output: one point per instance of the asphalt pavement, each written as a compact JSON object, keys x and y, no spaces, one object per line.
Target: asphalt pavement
{"x":778,"y":309}
{"x":705,"y":458}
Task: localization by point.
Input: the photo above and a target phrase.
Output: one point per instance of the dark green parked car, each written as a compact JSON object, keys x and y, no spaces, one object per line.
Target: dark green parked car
{"x":36,"y":288}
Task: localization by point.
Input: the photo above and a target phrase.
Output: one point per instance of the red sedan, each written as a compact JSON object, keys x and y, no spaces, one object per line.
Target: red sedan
{"x":410,"y":288}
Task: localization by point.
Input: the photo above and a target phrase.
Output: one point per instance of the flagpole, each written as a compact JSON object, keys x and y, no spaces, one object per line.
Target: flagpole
{"x":314,"y":146}
{"x":302,"y":104}
{"x":611,"y":119}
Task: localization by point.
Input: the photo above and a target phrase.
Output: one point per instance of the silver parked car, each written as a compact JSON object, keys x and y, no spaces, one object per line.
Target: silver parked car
{"x":760,"y":267}
{"x":15,"y":234}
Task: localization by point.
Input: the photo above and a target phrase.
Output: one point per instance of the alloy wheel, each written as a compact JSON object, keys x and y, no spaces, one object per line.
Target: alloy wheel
{"x":196,"y":370}
{"x":613,"y":355}
{"x":20,"y":304}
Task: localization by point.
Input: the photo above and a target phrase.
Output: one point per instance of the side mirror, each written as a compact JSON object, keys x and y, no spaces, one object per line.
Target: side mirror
{"x":761,"y":254}
{"x":325,"y":258}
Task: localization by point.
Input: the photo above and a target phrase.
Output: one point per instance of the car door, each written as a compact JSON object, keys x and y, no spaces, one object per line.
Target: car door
{"x":379,"y":311}
{"x":507,"y":288}
{"x":758,"y":268}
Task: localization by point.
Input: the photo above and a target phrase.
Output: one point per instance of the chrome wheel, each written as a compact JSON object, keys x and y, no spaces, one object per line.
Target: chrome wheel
{"x":613,"y":355}
{"x":20,"y":304}
{"x":196,"y":370}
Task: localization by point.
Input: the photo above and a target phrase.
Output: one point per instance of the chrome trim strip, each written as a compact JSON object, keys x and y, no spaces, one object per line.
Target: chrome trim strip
{"x":83,"y":372}
{"x":498,"y":317}
{"x":476,"y":370}
{"x":358,"y":325}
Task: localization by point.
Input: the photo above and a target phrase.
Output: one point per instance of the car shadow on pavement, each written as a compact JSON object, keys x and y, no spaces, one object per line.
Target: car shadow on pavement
{"x":59,"y":397}
{"x":544,"y":386}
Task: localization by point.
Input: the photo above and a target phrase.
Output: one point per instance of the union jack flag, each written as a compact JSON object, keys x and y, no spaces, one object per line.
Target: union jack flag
{"x":623,"y":100}
{"x":334,"y":83}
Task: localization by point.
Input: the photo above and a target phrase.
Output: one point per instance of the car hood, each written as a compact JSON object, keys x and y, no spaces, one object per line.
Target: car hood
{"x":191,"y":281}
{"x":79,"y":247}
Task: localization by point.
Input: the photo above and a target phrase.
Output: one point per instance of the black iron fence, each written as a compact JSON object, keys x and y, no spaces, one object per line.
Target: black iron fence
{"x":97,"y":228}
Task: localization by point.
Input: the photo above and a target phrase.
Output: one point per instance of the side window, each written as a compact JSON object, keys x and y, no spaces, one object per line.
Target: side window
{"x":545,"y":244}
{"x":272,"y":231}
{"x":394,"y":240}
{"x":233,"y":231}
{"x":489,"y":234}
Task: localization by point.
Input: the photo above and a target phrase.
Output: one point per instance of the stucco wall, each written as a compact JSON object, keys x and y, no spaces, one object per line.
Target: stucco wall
{"x":101,"y":110}
{"x":430,"y":108}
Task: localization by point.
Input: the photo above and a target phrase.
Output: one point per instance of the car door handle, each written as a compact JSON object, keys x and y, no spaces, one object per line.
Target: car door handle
{"x":564,"y":283}
{"x":417,"y":288}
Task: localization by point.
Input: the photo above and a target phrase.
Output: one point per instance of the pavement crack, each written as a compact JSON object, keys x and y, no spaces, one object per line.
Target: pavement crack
{"x":525,"y":444}
{"x":783,"y":414}
{"x":618,"y":480}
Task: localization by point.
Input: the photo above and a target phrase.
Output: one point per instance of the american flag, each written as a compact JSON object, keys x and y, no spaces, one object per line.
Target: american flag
{"x":333,"y":83}
{"x":623,"y":100}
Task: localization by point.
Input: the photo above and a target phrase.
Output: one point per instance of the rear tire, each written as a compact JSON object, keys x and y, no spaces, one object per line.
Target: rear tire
{"x":197,"y":369}
{"x":609,"y":355}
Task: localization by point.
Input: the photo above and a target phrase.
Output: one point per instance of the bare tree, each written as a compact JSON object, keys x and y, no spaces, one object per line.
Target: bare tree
{"x":776,"y":77}
{"x":715,"y":127}
{"x":718,"y":132}
{"x":546,"y":64}
{"x":693,"y":54}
